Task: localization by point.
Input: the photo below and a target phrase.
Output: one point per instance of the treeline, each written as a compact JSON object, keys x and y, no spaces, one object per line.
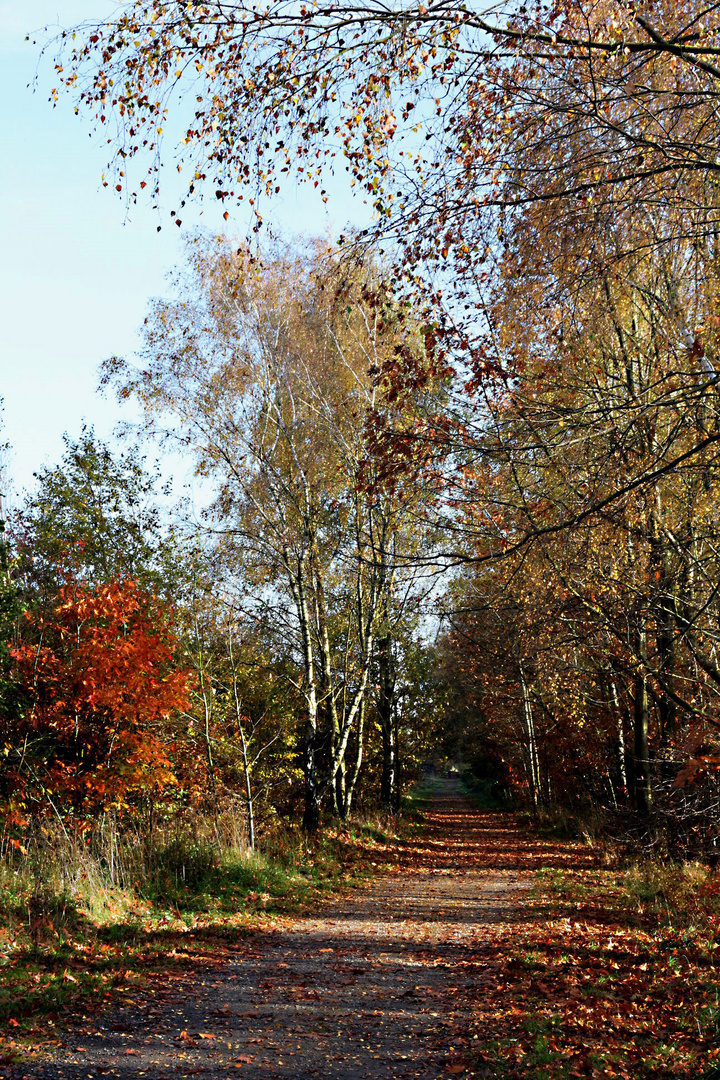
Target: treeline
{"x":266,"y":661}
{"x":581,"y":464}
{"x":291,"y":653}
{"x":522,"y":391}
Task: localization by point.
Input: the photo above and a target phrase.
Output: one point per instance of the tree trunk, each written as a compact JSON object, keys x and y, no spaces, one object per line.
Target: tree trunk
{"x":207,"y":739}
{"x":622,"y":758}
{"x":358,"y":763}
{"x":533,"y":763}
{"x":643,"y":787}
{"x":311,"y":816}
{"x":340,"y":789}
{"x":398,"y":760}
{"x":667,"y":708}
{"x":243,"y":745}
{"x":388,"y":779}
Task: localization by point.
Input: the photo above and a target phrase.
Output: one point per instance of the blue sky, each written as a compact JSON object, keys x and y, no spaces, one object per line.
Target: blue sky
{"x":76,"y":274}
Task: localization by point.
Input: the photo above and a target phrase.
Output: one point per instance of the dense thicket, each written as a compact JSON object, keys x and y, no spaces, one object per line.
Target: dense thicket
{"x":584,"y":490}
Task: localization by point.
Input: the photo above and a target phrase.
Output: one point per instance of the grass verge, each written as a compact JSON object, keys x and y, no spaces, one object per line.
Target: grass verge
{"x":64,"y":954}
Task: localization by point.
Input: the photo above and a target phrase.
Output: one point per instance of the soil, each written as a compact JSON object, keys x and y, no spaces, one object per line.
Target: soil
{"x":382,"y":984}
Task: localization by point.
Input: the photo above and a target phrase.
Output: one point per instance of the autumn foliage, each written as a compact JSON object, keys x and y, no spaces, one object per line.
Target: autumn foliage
{"x":462,"y":469}
{"x":99,"y":680}
{"x":524,"y":393}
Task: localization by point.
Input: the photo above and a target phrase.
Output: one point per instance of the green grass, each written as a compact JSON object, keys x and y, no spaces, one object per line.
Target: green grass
{"x":418,"y":800}
{"x":486,"y":793}
{"x":64,"y":953}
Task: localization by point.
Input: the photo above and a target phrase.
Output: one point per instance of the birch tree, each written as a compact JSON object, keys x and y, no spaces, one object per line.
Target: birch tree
{"x":264,"y":372}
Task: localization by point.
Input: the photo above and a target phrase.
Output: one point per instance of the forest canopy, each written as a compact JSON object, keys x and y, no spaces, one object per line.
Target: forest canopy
{"x":463,"y":464}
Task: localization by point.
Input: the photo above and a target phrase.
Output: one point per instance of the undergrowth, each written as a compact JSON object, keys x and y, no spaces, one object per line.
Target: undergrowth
{"x":486,"y":793}
{"x":72,"y":936}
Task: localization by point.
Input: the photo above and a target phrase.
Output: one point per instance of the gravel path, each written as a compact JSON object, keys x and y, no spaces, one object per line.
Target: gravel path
{"x":381,"y":985}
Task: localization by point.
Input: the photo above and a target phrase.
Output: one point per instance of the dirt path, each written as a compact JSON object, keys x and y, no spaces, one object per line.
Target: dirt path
{"x":382,"y":985}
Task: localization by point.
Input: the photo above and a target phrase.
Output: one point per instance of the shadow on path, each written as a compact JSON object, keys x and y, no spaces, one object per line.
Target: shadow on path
{"x":381,"y":985}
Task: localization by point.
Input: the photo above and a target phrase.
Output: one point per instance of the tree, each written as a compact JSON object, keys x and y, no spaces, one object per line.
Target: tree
{"x":238,"y":739}
{"x":548,"y":180}
{"x":100,"y":686}
{"x":10,"y":610}
{"x":360,"y":82}
{"x":266,"y":369}
{"x":465,"y":131}
{"x":595,"y":470}
{"x":95,"y":516}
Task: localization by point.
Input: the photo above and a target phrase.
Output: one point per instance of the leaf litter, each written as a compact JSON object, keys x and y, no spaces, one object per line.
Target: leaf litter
{"x":479,"y":951}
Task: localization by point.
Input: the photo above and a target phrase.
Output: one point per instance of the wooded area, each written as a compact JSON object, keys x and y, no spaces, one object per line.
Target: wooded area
{"x":497,"y":408}
{"x":459,"y":471}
